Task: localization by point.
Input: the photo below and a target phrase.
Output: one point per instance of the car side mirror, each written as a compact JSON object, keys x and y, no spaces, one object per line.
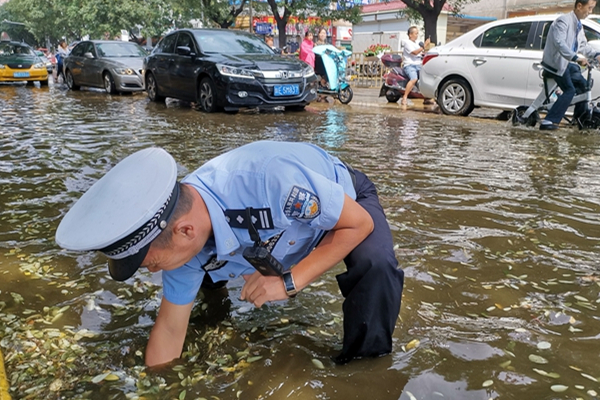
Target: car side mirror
{"x":88,"y":55}
{"x":184,"y":51}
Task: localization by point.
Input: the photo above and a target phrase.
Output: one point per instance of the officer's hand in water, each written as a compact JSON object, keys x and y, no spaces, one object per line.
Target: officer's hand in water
{"x":259,"y":289}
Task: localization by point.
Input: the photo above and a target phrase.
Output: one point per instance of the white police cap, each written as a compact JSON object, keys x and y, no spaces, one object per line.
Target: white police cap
{"x":122,"y":213}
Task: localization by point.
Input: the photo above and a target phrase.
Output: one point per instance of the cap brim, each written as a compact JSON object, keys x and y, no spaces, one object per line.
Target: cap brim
{"x":123,"y":269}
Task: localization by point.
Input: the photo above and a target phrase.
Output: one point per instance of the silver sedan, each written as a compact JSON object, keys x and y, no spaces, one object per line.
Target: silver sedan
{"x":113,"y":65}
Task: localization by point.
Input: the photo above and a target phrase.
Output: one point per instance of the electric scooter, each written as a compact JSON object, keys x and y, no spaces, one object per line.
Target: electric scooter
{"x":332,"y":64}
{"x":529,"y":115}
{"x":395,"y":80}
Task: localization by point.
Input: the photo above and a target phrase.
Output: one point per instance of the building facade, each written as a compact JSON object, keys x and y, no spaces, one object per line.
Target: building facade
{"x":514,"y":8}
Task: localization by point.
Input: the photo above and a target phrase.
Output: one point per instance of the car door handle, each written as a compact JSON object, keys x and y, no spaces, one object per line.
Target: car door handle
{"x":479,"y":61}
{"x":537,"y":66}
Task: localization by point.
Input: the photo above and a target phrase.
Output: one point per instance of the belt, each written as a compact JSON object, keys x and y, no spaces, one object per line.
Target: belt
{"x":351,"y":172}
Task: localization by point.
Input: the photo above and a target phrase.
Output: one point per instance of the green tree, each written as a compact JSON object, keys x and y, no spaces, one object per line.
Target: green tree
{"x":282,"y":11}
{"x":220,"y":13}
{"x":73,"y":19}
{"x":430,"y":10}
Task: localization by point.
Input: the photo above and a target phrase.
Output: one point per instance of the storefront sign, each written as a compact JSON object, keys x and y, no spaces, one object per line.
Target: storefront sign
{"x":344,"y":33}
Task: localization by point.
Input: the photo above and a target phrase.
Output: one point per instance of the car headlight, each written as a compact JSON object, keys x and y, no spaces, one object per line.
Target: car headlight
{"x":235,"y":72}
{"x":2,"y":66}
{"x":39,"y":66}
{"x":124,"y":71}
{"x":308,"y":72}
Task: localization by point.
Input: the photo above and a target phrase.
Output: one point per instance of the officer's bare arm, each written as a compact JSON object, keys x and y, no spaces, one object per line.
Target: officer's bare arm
{"x":353,"y":226}
{"x":167,"y":336}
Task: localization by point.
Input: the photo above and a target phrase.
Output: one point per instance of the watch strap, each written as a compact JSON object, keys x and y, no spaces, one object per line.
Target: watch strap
{"x":288,"y":283}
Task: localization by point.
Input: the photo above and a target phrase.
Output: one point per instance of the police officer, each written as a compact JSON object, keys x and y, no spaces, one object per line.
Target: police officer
{"x":256,"y":212}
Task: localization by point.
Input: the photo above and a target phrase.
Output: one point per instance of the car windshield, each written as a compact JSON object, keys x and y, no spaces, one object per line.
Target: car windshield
{"x":117,"y":49}
{"x":231,"y":42}
{"x":9,"y":49}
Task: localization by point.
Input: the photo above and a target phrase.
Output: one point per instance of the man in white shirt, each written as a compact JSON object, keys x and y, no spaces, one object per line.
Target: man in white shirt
{"x":411,"y":55}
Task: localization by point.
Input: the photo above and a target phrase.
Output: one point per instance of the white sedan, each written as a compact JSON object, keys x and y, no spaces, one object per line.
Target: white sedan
{"x":495,"y":65}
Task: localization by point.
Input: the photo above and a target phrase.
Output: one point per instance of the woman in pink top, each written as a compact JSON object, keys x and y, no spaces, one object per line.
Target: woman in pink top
{"x":306,"y":49}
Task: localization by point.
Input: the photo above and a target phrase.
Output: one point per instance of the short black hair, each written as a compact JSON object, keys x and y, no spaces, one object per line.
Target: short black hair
{"x":183,"y":206}
{"x":411,"y":29}
{"x":582,"y":2}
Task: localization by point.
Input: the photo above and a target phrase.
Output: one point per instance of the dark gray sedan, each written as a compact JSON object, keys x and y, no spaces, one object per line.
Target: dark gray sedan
{"x":113,"y":65}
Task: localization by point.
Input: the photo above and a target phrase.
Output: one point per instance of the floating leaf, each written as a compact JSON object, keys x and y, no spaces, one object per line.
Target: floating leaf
{"x":547,"y":374}
{"x":410,"y":395}
{"x":182,"y":394}
{"x":558,"y":388}
{"x":537,"y":359}
{"x":487,"y":383}
{"x":111,"y":378}
{"x":318,"y":363}
{"x":591,"y":378}
{"x":543,"y":345}
{"x":253,"y":359}
{"x":413,"y":344}
{"x":100,"y":378}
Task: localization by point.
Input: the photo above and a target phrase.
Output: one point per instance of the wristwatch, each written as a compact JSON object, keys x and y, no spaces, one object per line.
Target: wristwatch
{"x":288,"y":282}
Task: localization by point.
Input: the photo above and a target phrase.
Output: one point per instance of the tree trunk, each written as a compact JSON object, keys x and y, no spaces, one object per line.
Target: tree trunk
{"x":430,"y":22}
{"x":281,"y":24}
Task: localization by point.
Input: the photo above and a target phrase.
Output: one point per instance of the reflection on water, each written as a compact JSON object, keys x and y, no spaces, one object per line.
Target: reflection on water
{"x":497,"y":229}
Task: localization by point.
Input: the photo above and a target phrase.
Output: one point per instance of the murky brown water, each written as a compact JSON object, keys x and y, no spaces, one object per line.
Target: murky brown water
{"x":498,"y":230}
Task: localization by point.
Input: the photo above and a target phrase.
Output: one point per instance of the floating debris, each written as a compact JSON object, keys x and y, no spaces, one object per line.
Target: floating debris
{"x":543,"y":345}
{"x":558,"y":388}
{"x":413,"y":344}
{"x":537,"y":359}
{"x":318,"y":364}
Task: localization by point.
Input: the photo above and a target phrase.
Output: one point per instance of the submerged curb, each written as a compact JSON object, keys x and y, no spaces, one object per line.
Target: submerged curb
{"x":3,"y":381}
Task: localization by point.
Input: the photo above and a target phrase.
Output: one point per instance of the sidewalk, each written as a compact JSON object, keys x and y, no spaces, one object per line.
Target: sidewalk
{"x":369,"y":97}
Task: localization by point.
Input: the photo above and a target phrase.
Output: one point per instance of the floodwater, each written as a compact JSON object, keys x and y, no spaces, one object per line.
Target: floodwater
{"x":497,"y":229}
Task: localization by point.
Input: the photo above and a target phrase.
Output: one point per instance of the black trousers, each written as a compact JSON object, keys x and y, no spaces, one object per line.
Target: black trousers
{"x":372,"y":285}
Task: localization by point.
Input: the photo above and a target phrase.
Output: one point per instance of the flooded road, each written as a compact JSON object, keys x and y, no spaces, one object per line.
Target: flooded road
{"x":497,"y":229}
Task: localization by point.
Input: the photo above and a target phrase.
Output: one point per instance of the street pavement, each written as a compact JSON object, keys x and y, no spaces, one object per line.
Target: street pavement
{"x":369,"y":97}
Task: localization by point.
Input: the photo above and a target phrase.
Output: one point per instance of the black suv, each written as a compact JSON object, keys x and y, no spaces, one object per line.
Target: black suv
{"x":229,"y":69}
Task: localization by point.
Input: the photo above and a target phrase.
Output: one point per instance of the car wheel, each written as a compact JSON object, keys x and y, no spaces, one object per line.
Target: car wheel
{"x":517,"y":117}
{"x":345,"y":95}
{"x":152,"y":89}
{"x":392,"y":96}
{"x":207,"y":95}
{"x":44,"y":83}
{"x":71,"y":81}
{"x":456,"y":98}
{"x":109,"y":83}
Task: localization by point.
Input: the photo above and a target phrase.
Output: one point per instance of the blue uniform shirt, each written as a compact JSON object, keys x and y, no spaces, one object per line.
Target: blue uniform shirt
{"x":304,"y":187}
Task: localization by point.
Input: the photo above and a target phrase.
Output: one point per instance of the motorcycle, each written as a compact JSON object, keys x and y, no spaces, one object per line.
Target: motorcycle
{"x":395,"y":80}
{"x":330,"y":65}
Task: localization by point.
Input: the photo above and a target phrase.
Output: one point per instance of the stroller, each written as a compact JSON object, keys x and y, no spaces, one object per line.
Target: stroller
{"x":330,"y":64}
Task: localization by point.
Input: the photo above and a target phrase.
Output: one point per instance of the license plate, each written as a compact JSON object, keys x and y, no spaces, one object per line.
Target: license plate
{"x":286,"y":90}
{"x":21,"y":75}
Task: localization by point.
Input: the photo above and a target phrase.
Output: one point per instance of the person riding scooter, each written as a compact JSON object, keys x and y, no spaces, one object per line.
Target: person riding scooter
{"x":412,"y":59}
{"x":565,"y":40}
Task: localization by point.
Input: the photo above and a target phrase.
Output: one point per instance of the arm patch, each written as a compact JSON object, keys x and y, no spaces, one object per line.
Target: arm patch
{"x":302,"y":204}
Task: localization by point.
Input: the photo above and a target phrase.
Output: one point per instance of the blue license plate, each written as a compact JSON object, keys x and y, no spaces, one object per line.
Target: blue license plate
{"x":21,"y":75}
{"x":286,"y":90}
